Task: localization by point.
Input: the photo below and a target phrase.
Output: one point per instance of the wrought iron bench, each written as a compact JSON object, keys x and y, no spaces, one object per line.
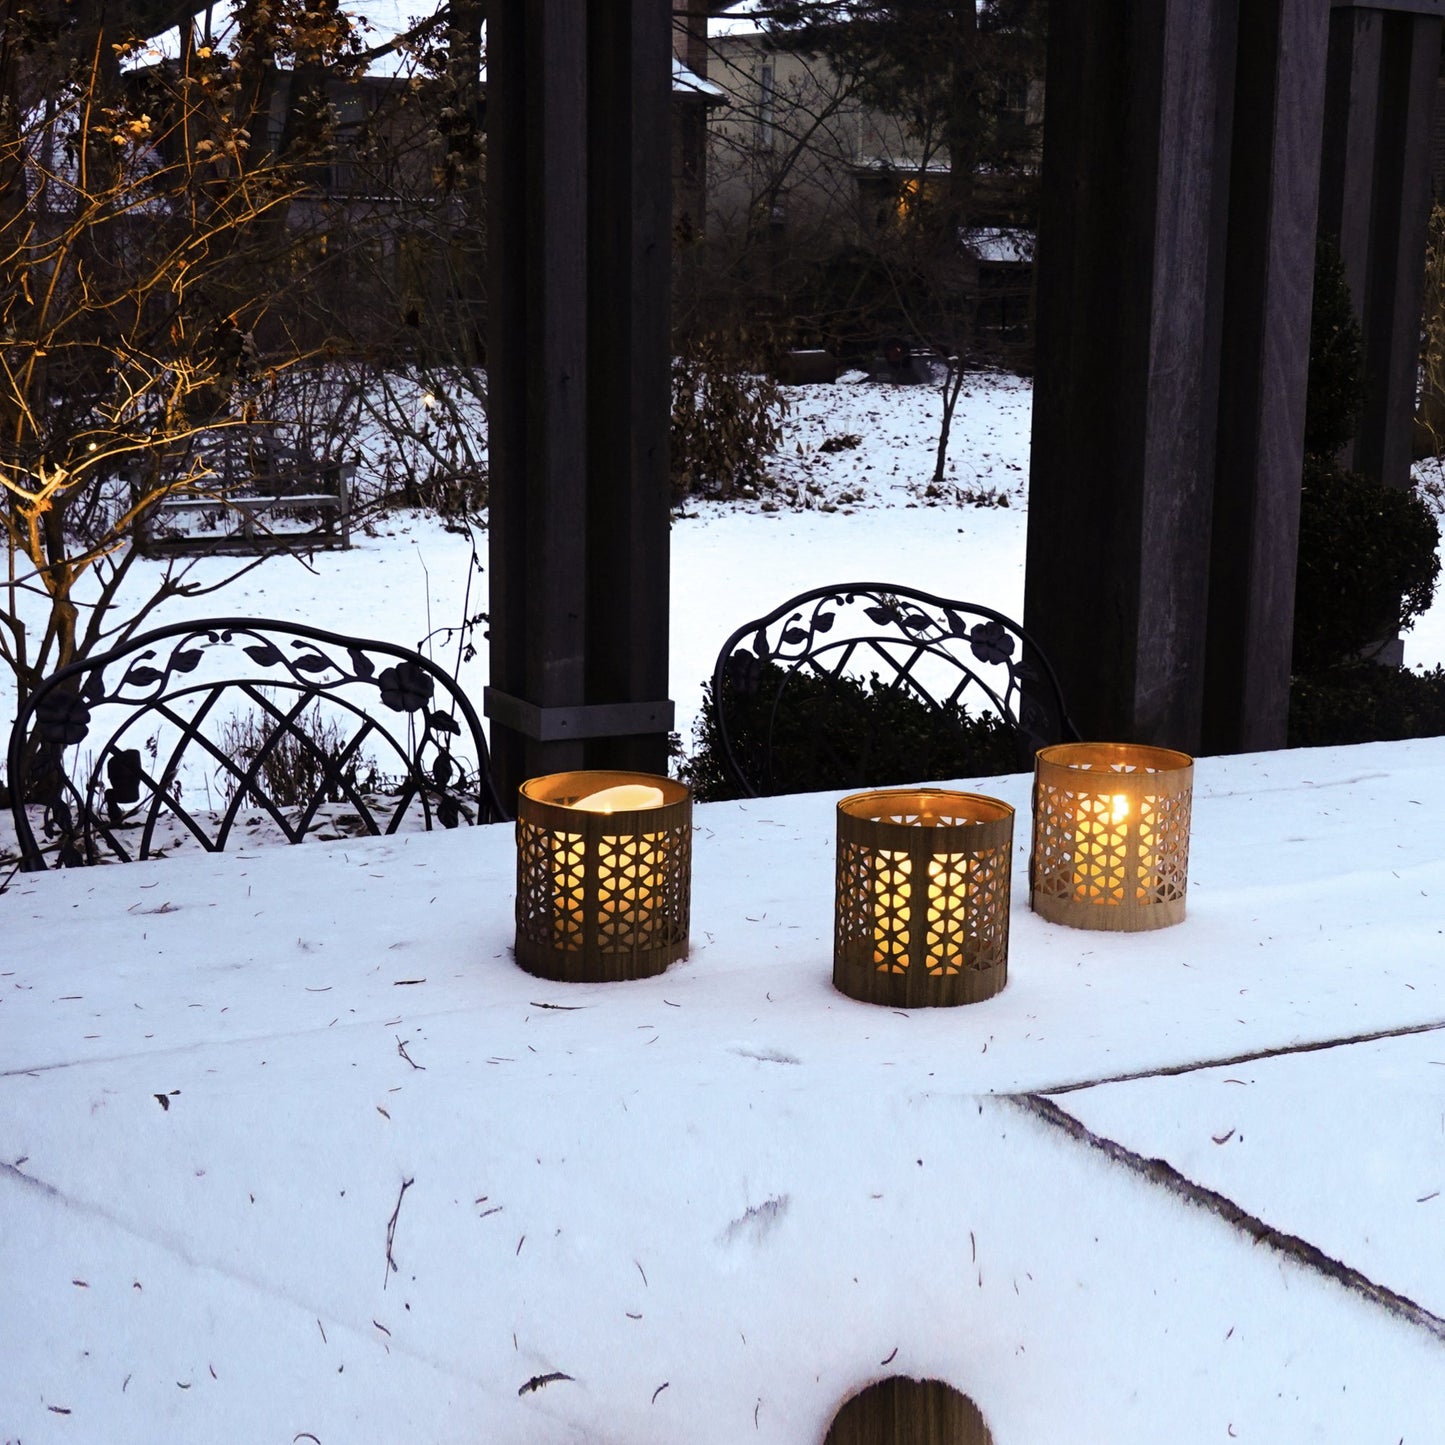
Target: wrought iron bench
{"x":210,"y":730}
{"x":870,"y":683}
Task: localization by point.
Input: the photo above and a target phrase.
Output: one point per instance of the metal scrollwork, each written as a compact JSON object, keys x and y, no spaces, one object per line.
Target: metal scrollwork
{"x":197,"y":729}
{"x":877,"y":640}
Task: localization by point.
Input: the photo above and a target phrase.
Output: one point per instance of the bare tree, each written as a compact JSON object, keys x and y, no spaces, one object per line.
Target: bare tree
{"x":146,"y":246}
{"x":872,"y":156}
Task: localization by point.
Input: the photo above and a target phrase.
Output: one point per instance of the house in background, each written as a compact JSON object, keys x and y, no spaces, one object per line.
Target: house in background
{"x":694,"y":97}
{"x":391,"y":228}
{"x":800,"y":169}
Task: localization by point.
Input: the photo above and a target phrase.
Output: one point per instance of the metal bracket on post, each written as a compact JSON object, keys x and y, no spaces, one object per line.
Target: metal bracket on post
{"x":1413,"y":7}
{"x":595,"y":720}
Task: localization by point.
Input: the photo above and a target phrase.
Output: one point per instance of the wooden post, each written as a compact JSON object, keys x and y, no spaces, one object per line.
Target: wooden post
{"x":1384,"y":59}
{"x":1264,"y":366}
{"x":578,"y":363}
{"x":1176,"y":246}
{"x":630,"y":370}
{"x":1129,"y":284}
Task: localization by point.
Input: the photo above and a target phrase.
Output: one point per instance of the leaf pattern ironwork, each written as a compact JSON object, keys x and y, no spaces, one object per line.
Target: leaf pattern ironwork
{"x":110,"y":789}
{"x":879,"y":643}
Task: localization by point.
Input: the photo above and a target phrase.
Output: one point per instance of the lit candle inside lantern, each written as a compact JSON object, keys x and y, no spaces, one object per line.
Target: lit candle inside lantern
{"x":620,"y":799}
{"x":1111,"y":835}
{"x":1105,"y":865}
{"x":603,"y":874}
{"x":635,"y":865}
{"x":920,"y":913}
{"x":892,"y":891}
{"x":1100,"y":845}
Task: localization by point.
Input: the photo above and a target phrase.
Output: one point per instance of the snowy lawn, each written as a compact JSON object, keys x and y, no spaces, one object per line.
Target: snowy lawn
{"x":864,"y":513}
{"x":236,"y":1090}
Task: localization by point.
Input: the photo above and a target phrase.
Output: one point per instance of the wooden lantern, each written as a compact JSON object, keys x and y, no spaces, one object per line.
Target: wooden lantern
{"x":922,"y":898}
{"x":909,"y":1412}
{"x":604,"y":875}
{"x":1111,"y":835}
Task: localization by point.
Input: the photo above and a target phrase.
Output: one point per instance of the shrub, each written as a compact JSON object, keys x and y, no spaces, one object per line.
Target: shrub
{"x":842,"y":732}
{"x":1336,"y":369}
{"x":296,"y":770}
{"x":1367,"y":566}
{"x":1367,"y":562}
{"x":1363,"y":702}
{"x":726,"y":417}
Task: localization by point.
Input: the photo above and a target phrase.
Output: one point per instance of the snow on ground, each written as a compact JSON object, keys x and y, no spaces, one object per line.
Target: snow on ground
{"x":860,"y":514}
{"x":706,"y":1207}
{"x":864,"y":512}
{"x":1235,"y":1129}
{"x":711,"y":1204}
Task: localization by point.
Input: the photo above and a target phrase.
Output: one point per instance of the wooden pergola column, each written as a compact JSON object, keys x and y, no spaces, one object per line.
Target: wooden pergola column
{"x":1384,"y":61}
{"x":1269,"y":261}
{"x":579,"y":182}
{"x":1128,"y":294}
{"x":1176,"y":246}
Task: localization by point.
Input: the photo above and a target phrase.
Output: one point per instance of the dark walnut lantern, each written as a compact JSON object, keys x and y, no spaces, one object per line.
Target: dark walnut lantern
{"x":922,"y":897}
{"x":1111,"y":836}
{"x":604,"y":875}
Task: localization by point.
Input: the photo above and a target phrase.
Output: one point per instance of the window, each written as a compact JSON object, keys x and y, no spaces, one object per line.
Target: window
{"x":767,"y":99}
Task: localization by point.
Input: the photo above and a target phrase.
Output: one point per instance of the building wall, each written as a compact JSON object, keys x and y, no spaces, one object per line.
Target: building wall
{"x":799,"y":171}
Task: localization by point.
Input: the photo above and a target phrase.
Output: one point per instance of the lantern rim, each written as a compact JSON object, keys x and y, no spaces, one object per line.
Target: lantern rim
{"x":957,"y":810}
{"x":1097,"y":757}
{"x":566,"y":790}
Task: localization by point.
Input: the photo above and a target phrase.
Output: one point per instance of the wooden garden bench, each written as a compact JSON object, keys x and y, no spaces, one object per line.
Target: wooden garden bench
{"x":255,"y":481}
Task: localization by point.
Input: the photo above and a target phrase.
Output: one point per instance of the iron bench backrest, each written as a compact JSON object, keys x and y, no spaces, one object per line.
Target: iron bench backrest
{"x":190,"y":729}
{"x":957,"y":659}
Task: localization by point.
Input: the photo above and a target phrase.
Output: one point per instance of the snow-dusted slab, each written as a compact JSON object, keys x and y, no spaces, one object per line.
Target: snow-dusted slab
{"x":218,"y":1073}
{"x":1316,"y":898}
{"x":706,"y":1264}
{"x":1343,"y":1147}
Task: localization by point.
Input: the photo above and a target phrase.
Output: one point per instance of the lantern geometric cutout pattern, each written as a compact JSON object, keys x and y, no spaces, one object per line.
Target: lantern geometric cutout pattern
{"x":595,"y":900}
{"x":1111,"y":836}
{"x":630,"y":880}
{"x":922,"y":895}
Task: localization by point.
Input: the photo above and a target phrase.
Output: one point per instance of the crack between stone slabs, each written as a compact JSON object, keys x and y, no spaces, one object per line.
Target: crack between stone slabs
{"x":164,"y":1051}
{"x":1167,"y":1071}
{"x":1291,"y":1246}
{"x":167,"y":1243}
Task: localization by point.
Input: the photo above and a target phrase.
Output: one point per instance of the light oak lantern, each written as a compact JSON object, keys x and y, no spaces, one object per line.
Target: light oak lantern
{"x":1111,"y":835}
{"x":922,"y":897}
{"x":604,"y":875}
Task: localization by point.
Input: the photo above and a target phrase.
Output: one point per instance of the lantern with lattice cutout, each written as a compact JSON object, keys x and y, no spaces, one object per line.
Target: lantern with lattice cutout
{"x":921,"y":911}
{"x":604,"y":875}
{"x":1111,"y":835}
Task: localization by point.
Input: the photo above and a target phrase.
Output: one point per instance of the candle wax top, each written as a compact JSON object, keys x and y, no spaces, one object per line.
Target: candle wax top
{"x":622,"y":798}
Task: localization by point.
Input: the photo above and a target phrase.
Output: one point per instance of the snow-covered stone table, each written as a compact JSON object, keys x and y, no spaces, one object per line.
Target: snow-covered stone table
{"x":291,"y":1150}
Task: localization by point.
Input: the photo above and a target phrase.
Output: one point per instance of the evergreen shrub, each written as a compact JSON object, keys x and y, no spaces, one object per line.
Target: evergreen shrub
{"x":1367,"y":566}
{"x":830,"y":733}
{"x":1363,"y":702}
{"x":1368,"y":560}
